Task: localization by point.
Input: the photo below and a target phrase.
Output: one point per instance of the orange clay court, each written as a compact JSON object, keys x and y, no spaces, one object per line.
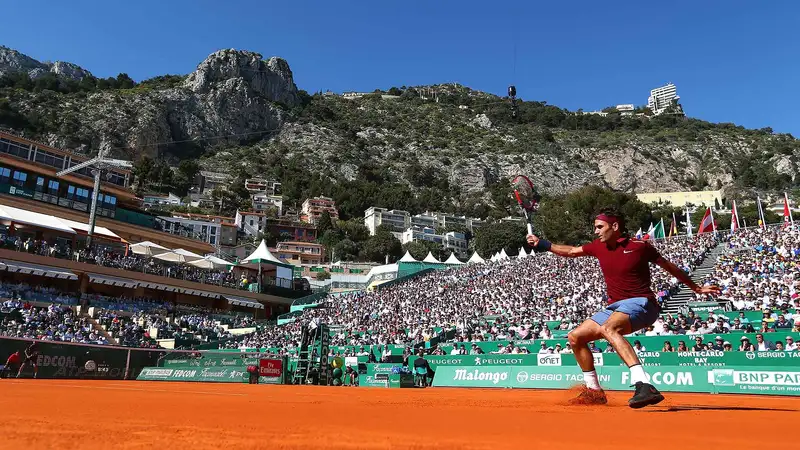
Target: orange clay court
{"x":62,"y":414}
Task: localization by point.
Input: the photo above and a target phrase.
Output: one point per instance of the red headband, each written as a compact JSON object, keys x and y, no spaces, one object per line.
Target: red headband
{"x":609,"y":219}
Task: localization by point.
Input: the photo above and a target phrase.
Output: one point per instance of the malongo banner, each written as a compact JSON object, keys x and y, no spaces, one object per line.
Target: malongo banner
{"x":766,"y":380}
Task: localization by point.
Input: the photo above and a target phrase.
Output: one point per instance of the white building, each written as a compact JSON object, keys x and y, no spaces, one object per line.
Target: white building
{"x":159,"y":200}
{"x":264,"y":201}
{"x":396,"y":219}
{"x":400,"y":221}
{"x":662,"y":98}
{"x":262,"y":186}
{"x":452,"y":241}
{"x":250,"y":222}
{"x":201,"y":230}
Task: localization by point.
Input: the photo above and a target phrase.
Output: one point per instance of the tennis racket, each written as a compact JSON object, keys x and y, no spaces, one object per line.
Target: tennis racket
{"x":527,"y":198}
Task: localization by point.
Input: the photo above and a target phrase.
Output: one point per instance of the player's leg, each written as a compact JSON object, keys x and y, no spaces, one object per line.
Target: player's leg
{"x":579,"y":339}
{"x":629,"y":316}
{"x":21,"y":368}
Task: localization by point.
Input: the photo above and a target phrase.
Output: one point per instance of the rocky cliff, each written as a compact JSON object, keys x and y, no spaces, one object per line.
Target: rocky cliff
{"x":239,"y":112}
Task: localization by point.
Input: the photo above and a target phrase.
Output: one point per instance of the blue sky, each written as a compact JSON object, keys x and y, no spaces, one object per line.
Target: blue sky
{"x":732,"y":61}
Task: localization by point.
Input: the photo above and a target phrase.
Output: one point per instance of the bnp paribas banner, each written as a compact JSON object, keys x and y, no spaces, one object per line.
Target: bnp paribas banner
{"x":682,"y":359}
{"x":768,"y":380}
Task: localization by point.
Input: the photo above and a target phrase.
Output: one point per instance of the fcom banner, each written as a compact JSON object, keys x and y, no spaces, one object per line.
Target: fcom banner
{"x":773,"y":380}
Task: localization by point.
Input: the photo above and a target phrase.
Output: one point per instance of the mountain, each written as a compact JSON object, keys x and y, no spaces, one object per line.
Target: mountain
{"x":425,"y":147}
{"x":12,"y":61}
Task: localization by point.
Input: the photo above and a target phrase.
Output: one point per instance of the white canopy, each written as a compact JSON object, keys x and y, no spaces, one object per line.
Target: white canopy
{"x":102,"y":231}
{"x":431,"y":259}
{"x":476,"y":258}
{"x":263,"y":255}
{"x":493,"y":258}
{"x":210,"y":262}
{"x":148,"y":248}
{"x":503,"y":254}
{"x":179,"y":255}
{"x":34,"y":219}
{"x":522,"y":253}
{"x":407,"y":258}
{"x":453,"y":260}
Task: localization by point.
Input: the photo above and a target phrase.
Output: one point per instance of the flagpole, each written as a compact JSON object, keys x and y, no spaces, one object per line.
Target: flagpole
{"x":688,"y":223}
{"x":761,"y":213}
{"x":713,"y":225}
{"x":662,"y":227}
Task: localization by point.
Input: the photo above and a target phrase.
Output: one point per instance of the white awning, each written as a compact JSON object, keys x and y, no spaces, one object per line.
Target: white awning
{"x":241,"y":301}
{"x":101,"y":231}
{"x":35,"y":269}
{"x":34,"y":219}
{"x":148,"y":248}
{"x":112,"y":281}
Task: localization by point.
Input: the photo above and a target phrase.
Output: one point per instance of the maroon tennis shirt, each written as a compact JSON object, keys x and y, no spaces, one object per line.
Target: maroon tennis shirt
{"x":625,"y":268}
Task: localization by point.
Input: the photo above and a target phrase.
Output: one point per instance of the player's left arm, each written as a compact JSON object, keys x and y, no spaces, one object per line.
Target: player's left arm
{"x":656,"y":258}
{"x":682,"y":276}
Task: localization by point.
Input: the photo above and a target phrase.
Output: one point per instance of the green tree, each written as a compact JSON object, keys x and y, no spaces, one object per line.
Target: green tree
{"x":329,"y":239}
{"x":491,"y":238}
{"x":381,"y":245}
{"x":346,"y":250}
{"x":324,"y":275}
{"x":325,"y":223}
{"x":419,"y":249}
{"x":353,"y":229}
{"x":142,"y":171}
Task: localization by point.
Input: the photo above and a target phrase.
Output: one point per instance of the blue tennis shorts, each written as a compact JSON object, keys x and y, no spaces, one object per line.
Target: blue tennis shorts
{"x":641,"y":311}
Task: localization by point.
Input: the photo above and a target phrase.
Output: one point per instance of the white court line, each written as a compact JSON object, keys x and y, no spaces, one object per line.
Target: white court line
{"x":132,"y":389}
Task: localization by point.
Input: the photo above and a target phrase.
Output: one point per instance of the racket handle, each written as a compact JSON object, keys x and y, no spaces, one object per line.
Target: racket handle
{"x":530,"y":229}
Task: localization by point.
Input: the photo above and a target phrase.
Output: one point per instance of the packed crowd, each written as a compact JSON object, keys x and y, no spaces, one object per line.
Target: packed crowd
{"x":507,"y":299}
{"x":53,"y":323}
{"x":760,"y":273}
{"x":109,"y":257}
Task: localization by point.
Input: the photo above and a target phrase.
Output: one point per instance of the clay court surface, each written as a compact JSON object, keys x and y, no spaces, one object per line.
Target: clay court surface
{"x":61,"y":414}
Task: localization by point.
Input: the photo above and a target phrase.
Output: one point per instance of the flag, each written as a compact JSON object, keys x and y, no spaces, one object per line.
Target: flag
{"x":761,"y":222}
{"x":639,"y":233}
{"x":688,"y":223}
{"x":649,"y":234}
{"x":707,"y":225}
{"x":734,"y":218}
{"x":673,"y":229}
{"x":658,"y":231}
{"x":787,"y":213}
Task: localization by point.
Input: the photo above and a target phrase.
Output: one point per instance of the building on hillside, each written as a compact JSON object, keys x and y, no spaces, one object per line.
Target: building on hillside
{"x":215,"y":234}
{"x":626,"y":110}
{"x":254,"y":223}
{"x":300,"y":253}
{"x":452,"y":241}
{"x":397,"y":220}
{"x":207,"y":181}
{"x":263,"y":186}
{"x":171,"y":199}
{"x":227,"y":231}
{"x":662,"y":98}
{"x":313,"y":208}
{"x":250,"y":222}
{"x":263,"y":202}
{"x":679,"y":199}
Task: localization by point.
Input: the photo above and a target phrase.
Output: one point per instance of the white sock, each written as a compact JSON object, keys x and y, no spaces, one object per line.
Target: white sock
{"x":637,"y":374}
{"x":590,"y":378}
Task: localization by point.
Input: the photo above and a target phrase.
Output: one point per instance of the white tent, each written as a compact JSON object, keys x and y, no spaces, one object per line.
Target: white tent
{"x":211,"y":262}
{"x":148,"y":248}
{"x":431,"y":259}
{"x":476,"y":258}
{"x":407,"y":258}
{"x":453,"y":260}
{"x":33,"y":218}
{"x":263,"y":255}
{"x":502,"y":254}
{"x":179,"y":255}
{"x":522,"y":253}
{"x":494,"y":257}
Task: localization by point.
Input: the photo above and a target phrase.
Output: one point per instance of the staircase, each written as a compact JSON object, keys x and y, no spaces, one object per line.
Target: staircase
{"x":313,"y":369}
{"x":101,"y":330}
{"x":685,"y":295}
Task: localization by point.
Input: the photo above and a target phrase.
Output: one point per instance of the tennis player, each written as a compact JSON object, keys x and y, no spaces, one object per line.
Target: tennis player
{"x":632,"y":305}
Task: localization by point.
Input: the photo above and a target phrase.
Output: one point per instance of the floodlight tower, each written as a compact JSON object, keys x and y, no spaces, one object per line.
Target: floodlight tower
{"x":99,"y":166}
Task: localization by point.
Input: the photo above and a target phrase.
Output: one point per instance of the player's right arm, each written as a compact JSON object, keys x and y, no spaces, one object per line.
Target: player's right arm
{"x":561,"y":250}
